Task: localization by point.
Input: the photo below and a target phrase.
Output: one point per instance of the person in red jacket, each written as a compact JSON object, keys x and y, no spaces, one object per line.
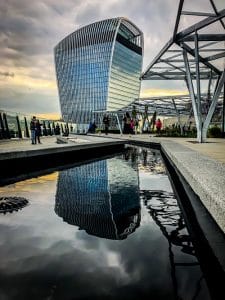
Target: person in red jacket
{"x":158,"y":125}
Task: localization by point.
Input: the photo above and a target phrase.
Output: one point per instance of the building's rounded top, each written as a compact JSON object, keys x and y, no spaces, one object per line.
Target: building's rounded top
{"x":114,"y":24}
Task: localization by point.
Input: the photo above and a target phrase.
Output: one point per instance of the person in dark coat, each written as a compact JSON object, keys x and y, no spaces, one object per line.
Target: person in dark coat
{"x":106,"y":123}
{"x":38,"y":131}
{"x":127,"y":121}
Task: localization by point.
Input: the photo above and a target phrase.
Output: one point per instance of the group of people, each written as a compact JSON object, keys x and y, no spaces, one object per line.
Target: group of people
{"x":35,"y":128}
{"x":130,"y":124}
{"x":106,"y":122}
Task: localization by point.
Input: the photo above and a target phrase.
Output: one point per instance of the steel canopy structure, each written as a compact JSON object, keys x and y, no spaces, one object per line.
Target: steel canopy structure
{"x":194,"y":54}
{"x":169,"y":106}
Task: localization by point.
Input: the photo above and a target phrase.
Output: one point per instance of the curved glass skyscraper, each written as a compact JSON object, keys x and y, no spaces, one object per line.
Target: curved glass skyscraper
{"x":98,"y":68}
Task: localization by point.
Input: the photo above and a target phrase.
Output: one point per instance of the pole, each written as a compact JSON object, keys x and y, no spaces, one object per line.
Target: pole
{"x":6,"y":126}
{"x":223,"y":113}
{"x":2,"y":132}
{"x":19,"y":127}
{"x":27,"y":134}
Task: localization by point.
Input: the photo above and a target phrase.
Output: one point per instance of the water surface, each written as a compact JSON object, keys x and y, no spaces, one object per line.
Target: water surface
{"x":111,"y":229}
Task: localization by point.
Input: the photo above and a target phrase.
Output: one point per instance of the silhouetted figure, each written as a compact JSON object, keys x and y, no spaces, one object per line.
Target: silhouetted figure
{"x":127,"y":123}
{"x":106,"y":123}
{"x":92,"y":127}
{"x":57,"y":129}
{"x":153,"y":120}
{"x":38,"y":131}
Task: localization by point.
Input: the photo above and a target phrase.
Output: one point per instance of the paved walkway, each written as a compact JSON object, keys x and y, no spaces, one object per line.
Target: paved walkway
{"x":214,"y":148}
{"x":16,"y":148}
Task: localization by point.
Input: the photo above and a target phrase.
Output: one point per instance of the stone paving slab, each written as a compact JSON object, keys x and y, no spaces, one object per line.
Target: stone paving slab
{"x":206,"y":176}
{"x":23,"y":148}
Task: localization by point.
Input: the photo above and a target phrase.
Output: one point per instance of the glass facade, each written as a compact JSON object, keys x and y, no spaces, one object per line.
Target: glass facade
{"x":98,"y":68}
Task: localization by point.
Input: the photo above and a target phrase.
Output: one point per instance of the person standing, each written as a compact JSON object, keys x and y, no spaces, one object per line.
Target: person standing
{"x":33,"y":130}
{"x":38,"y":131}
{"x":127,"y":121}
{"x":106,"y":123}
{"x":132,"y":126}
{"x":158,"y":125}
{"x":153,"y":121}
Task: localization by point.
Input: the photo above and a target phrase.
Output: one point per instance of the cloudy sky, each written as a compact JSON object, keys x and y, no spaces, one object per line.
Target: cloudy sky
{"x":29,"y":30}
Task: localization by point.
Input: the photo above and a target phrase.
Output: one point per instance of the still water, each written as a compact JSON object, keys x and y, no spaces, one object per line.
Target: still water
{"x":111,"y":229}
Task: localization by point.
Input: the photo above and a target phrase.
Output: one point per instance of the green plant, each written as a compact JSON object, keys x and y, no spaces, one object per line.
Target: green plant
{"x":98,"y":130}
{"x":214,"y":132}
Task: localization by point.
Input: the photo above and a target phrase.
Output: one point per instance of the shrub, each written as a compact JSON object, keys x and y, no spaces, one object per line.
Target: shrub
{"x":214,"y":132}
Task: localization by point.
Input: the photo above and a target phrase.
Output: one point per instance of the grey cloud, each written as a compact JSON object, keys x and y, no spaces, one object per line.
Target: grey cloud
{"x":33,"y":29}
{"x":30,"y":30}
{"x":7,"y":74}
{"x":27,"y":101}
{"x":89,"y":13}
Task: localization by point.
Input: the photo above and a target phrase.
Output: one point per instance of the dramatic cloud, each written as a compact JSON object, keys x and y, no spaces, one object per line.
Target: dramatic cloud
{"x":29,"y":31}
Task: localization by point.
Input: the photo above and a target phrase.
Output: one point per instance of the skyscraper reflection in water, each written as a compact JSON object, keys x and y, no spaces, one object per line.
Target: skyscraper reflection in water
{"x":101,"y":198}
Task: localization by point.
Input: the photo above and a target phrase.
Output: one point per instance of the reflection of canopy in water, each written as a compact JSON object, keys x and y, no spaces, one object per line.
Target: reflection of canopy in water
{"x":164,"y":210}
{"x":101,"y":198}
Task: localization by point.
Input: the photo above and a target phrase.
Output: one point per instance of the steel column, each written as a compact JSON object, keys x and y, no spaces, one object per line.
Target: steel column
{"x":19,"y":127}
{"x":199,"y":107}
{"x":118,"y":121}
{"x":192,"y":94}
{"x":223,"y":114}
{"x":213,"y":104}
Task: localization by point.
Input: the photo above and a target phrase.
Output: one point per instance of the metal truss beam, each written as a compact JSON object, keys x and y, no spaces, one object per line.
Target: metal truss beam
{"x":216,"y":11}
{"x":205,"y":37}
{"x":201,"y":59}
{"x":208,"y":21}
{"x":198,"y":57}
{"x":201,"y":14}
{"x":179,"y":39}
{"x":216,"y":56}
{"x":178,"y":18}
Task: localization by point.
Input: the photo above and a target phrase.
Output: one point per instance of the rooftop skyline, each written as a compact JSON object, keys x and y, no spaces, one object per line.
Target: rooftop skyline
{"x":30,"y":31}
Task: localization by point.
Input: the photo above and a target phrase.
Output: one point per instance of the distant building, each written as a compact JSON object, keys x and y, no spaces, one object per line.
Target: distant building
{"x":98,"y":68}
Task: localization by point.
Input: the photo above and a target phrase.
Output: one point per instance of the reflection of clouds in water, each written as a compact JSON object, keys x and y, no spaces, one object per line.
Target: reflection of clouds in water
{"x":45,"y":258}
{"x":101,"y":198}
{"x":106,"y":268}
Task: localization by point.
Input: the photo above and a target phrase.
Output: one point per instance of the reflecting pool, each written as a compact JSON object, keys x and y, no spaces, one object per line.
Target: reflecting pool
{"x":110,"y":229}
